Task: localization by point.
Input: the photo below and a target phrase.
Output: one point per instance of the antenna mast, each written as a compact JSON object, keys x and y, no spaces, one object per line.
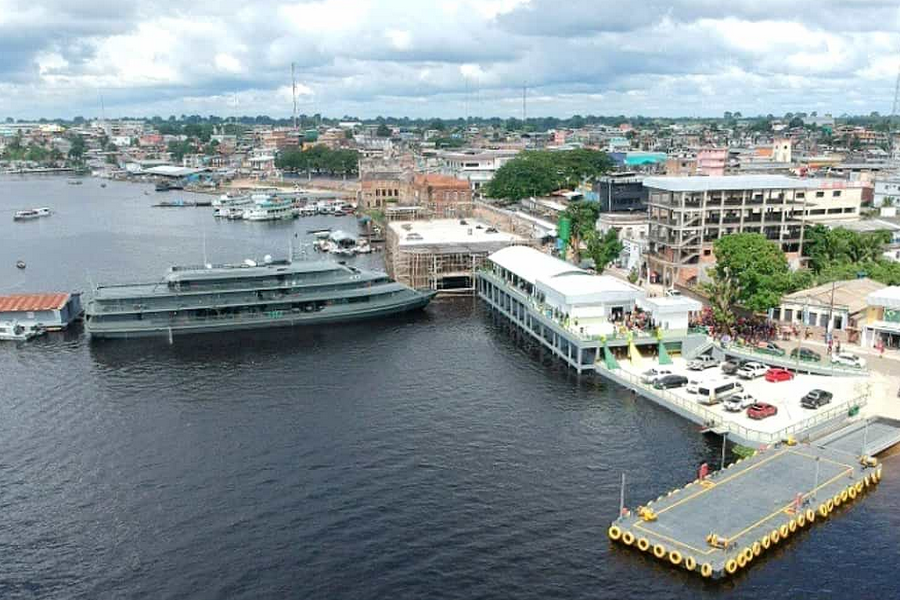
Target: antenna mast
{"x":294,"y":94}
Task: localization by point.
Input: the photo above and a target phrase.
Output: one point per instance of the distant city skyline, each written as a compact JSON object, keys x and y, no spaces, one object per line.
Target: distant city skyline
{"x":447,"y":59}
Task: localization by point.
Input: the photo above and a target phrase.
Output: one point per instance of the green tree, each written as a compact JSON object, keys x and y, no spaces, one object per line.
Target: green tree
{"x":583,"y":218}
{"x":603,"y":249}
{"x":178,"y":150}
{"x":540,"y":172}
{"x":383,"y":131}
{"x":751,"y":271}
{"x":76,"y":151}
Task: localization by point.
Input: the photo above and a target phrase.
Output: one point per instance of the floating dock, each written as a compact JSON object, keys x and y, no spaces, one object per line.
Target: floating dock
{"x":719,"y":525}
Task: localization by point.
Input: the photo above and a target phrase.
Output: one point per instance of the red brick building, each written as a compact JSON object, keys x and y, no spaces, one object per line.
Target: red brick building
{"x":442,"y":195}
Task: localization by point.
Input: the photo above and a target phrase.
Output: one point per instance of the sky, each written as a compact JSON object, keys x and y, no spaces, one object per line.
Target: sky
{"x":447,"y":58}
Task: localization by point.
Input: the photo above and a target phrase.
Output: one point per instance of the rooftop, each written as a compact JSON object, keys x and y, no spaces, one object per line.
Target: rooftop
{"x":851,"y":293}
{"x":33,"y":302}
{"x":450,"y":232}
{"x":887,"y":297}
{"x":726,"y":182}
{"x":172,"y":171}
{"x":531,"y":264}
{"x":437,"y":180}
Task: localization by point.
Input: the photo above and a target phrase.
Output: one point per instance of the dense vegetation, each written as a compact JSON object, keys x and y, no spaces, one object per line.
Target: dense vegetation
{"x":601,"y":248}
{"x":752,"y":272}
{"x":319,"y":159}
{"x":539,"y":172}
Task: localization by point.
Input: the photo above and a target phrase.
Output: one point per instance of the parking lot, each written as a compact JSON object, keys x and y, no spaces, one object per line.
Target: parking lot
{"x":784,"y":395}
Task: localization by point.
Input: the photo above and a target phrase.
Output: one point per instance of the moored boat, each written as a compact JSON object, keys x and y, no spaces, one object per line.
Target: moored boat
{"x":31,"y":213}
{"x":249,"y":295}
{"x":16,"y":332}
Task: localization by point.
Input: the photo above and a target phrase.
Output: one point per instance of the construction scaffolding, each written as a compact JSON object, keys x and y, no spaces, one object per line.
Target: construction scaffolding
{"x":446,"y":266}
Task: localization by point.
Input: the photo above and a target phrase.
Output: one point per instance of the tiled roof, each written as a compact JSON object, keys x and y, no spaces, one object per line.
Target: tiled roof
{"x":32,"y":302}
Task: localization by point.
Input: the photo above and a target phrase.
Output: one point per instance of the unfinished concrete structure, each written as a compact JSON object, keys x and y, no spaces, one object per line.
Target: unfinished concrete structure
{"x":442,"y":254}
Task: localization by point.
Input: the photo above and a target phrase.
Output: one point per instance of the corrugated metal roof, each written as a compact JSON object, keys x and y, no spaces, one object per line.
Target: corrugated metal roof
{"x":725,"y":182}
{"x":32,"y":302}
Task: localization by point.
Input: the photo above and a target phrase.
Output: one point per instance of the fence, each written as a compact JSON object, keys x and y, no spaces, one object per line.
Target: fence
{"x":714,"y":420}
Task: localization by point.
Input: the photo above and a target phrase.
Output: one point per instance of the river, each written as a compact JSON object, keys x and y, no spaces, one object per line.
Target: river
{"x":432,"y":455}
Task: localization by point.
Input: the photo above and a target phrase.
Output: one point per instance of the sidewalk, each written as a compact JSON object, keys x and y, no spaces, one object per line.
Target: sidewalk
{"x":851,"y":348}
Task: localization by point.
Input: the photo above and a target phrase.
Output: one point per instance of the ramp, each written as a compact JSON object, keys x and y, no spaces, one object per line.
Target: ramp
{"x":868,"y":437}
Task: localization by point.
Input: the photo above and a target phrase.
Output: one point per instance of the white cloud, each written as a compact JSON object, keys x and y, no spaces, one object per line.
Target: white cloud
{"x":370,"y":57}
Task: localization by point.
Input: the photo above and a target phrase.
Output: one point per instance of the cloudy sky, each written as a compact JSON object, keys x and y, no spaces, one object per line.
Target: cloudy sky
{"x":447,"y":58}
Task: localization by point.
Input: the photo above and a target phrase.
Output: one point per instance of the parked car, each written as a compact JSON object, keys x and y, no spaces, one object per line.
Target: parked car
{"x":730,"y":367}
{"x":848,"y":359}
{"x":806,"y":354}
{"x":654,"y":374}
{"x":738,"y":402}
{"x":752,"y":370}
{"x":702,"y":362}
{"x":775,"y":375}
{"x":770,"y":348}
{"x":693,"y":385}
{"x":761,"y":410}
{"x":672,"y":292}
{"x":670,"y":381}
{"x":816,"y":398}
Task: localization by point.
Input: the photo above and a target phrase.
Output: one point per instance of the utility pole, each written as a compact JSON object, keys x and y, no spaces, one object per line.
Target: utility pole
{"x":294,"y":94}
{"x":524,"y":105}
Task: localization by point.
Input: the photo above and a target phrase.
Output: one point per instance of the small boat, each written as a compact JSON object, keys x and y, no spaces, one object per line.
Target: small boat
{"x":103,"y":185}
{"x":320,"y":233}
{"x":74,"y":182}
{"x":175,"y":204}
{"x":20,"y":264}
{"x":162,"y":186}
{"x":31,"y":213}
{"x":14,"y":331}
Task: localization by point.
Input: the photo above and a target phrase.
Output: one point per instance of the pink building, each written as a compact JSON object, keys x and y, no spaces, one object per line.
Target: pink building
{"x":712,"y":161}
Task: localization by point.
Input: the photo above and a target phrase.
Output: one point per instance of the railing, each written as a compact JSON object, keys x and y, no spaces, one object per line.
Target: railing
{"x":788,"y":361}
{"x":715,"y":421}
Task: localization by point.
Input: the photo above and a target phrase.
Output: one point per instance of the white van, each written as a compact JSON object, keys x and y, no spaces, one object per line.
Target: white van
{"x":713,"y":392}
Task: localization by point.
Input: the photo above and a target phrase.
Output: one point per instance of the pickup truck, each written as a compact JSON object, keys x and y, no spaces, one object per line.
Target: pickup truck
{"x":702,"y":362}
{"x":752,"y":370}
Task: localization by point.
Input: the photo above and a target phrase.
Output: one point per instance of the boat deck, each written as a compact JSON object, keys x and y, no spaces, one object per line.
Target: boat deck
{"x":752,"y":505}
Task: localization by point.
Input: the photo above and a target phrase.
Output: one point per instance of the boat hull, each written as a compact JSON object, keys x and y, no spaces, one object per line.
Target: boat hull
{"x":148,"y":329}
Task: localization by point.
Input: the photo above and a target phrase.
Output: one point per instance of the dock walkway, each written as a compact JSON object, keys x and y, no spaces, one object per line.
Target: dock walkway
{"x":718,"y":526}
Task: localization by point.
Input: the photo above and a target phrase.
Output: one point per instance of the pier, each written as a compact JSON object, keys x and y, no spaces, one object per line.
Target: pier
{"x":717,"y":526}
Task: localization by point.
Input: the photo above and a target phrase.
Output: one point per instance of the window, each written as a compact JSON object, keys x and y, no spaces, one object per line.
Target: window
{"x":836,"y":193}
{"x":850,"y":209}
{"x":788,"y":315}
{"x":820,"y":194}
{"x":707,"y":252}
{"x":801,"y":195}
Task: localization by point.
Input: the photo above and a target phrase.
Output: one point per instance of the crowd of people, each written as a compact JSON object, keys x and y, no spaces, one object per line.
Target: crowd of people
{"x":751,"y":330}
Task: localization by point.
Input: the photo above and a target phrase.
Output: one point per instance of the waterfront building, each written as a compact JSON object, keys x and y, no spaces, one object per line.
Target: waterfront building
{"x":442,"y":254}
{"x":51,"y":311}
{"x":383,"y":189}
{"x":575,"y":313}
{"x":688,"y":214}
{"x":839,"y":307}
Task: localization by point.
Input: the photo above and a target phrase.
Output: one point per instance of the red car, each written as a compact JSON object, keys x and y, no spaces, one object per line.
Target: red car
{"x":761,"y":410}
{"x":775,"y":375}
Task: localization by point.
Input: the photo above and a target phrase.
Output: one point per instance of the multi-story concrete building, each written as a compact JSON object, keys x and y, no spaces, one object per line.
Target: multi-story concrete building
{"x":832,"y":200}
{"x":887,"y":190}
{"x":475,"y":166}
{"x":688,"y":214}
{"x":623,"y":191}
{"x":712,"y":161}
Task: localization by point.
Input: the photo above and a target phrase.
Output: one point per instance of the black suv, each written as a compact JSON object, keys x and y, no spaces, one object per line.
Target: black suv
{"x":815,"y":399}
